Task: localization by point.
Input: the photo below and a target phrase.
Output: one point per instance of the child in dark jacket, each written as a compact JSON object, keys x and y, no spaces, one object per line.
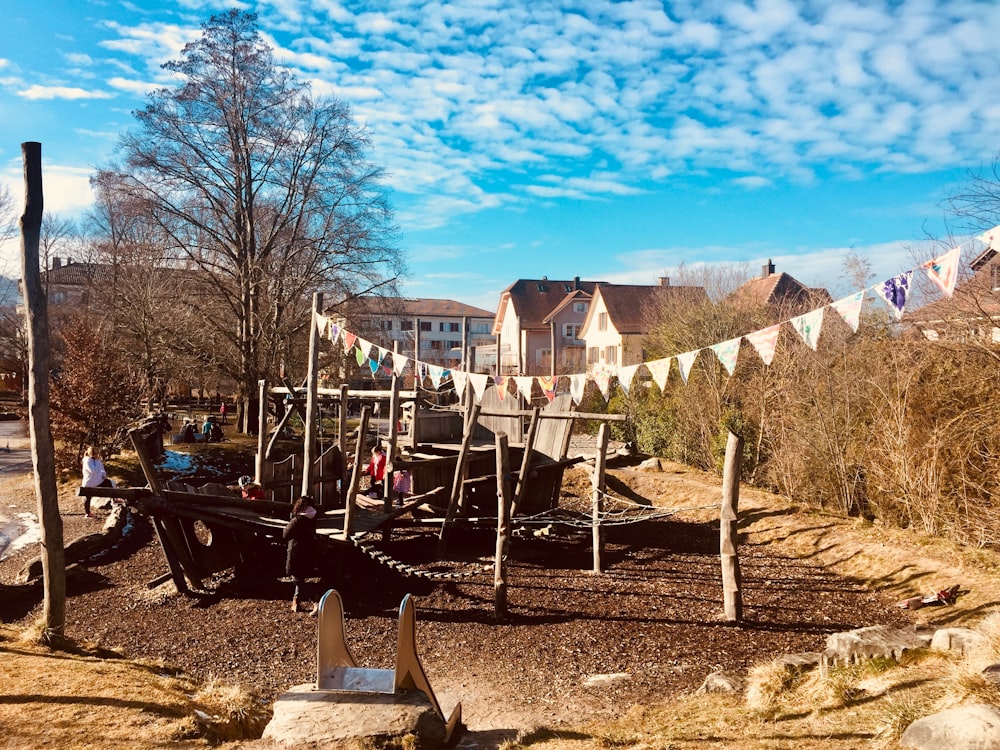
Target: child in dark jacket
{"x":300,"y":534}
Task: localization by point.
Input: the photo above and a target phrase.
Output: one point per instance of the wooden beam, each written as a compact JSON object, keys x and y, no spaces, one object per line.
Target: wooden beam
{"x":309,"y":436}
{"x":597,"y":500}
{"x":732,"y":579}
{"x":504,"y":504}
{"x":456,"y":486}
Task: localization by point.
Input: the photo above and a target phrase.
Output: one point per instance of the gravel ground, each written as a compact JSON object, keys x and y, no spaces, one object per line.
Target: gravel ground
{"x":574,"y":646}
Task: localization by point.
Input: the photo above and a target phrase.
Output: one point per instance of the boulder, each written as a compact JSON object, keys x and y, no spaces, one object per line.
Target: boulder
{"x":650,"y":464}
{"x":800,"y":663}
{"x":975,"y":727}
{"x":722,"y":682}
{"x":306,"y":717}
{"x":877,"y":641}
{"x":955,"y":639}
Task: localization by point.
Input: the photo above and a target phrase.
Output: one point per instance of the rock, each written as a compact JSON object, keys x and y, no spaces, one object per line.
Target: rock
{"x":799,"y":663}
{"x":83,"y":547}
{"x":650,"y":464}
{"x":306,"y":717}
{"x":992,"y":674}
{"x":870,"y":643}
{"x":722,"y":682}
{"x":975,"y":727}
{"x":955,"y":639}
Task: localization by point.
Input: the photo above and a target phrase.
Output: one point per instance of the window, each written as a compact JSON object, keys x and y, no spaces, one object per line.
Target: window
{"x":580,"y":307}
{"x":425,"y":325}
{"x":386,"y":325}
{"x":448,"y":327}
{"x":611,"y":355}
{"x":602,"y":322}
{"x":568,"y":287}
{"x":481,"y":327}
{"x":593,"y":355}
{"x":425,"y":345}
{"x":571,"y":331}
{"x":995,"y":276}
{"x":406,"y":325}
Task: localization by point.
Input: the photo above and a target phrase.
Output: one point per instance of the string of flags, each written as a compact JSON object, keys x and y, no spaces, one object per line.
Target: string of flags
{"x":895,"y":292}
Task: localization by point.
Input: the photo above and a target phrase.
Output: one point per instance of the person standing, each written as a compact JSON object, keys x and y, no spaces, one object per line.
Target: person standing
{"x":376,"y":470}
{"x":94,"y":474}
{"x":300,"y":535}
{"x":222,"y":411}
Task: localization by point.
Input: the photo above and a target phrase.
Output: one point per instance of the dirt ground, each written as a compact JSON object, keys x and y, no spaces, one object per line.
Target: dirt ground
{"x":574,"y":646}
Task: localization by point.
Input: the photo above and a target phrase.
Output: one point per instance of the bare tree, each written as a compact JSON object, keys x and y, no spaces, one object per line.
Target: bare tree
{"x":264,"y":191}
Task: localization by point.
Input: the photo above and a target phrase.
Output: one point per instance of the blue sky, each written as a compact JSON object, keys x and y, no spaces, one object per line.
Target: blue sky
{"x":607,"y":140}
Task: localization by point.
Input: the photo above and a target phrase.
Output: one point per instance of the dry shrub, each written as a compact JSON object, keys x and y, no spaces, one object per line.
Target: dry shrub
{"x":768,"y":687}
{"x":228,"y":712}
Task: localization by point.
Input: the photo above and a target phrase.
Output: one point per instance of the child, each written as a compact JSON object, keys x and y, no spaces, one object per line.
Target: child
{"x":376,"y":470}
{"x":300,"y":534}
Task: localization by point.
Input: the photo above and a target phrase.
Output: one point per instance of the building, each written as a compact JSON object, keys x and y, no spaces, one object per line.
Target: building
{"x":780,"y":293}
{"x":618,"y":321}
{"x":537,"y":326}
{"x":435,"y":331}
{"x":972,"y":314}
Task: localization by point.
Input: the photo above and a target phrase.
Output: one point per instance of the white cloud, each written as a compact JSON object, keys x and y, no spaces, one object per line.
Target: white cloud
{"x":38,"y":91}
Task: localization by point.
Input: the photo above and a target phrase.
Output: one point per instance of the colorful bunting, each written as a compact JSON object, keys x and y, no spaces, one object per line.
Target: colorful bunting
{"x":849,"y":309}
{"x":436,"y":374}
{"x":577,"y":385}
{"x":727,"y":352}
{"x":334,"y":331}
{"x":501,"y":383}
{"x":349,"y":339}
{"x":808,"y":326}
{"x":626,"y":375}
{"x":374,"y":366}
{"x":764,"y":341}
{"x":684,"y":362}
{"x":943,"y":270}
{"x":660,"y":370}
{"x":895,"y":291}
{"x":548,"y":386}
{"x":360,"y":355}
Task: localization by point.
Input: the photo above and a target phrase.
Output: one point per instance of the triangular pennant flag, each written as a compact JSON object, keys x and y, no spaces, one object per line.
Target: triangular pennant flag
{"x":660,"y":370}
{"x":727,"y":352}
{"x":764,"y":341}
{"x":990,"y":236}
{"x":603,"y":380}
{"x":501,"y":383}
{"x":374,"y":367}
{"x":461,"y":380}
{"x":577,"y":385}
{"x":386,"y":370}
{"x":321,"y":323}
{"x":360,"y":355}
{"x":479,"y":382}
{"x":895,"y":291}
{"x":334,"y":331}
{"x":849,"y":309}
{"x":364,"y":350}
{"x":808,"y":326}
{"x":349,"y":339}
{"x":435,"y":373}
{"x":382,"y":354}
{"x":524,"y":384}
{"x":684,"y":362}
{"x":625,"y":376}
{"x":548,"y":386}
{"x":399,"y":363}
{"x":943,"y":270}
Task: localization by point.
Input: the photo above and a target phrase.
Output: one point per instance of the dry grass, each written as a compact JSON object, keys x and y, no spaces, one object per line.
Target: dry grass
{"x":88,"y":698}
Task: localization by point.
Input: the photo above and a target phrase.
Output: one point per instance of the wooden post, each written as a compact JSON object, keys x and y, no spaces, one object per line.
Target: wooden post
{"x":504,"y":501}
{"x":342,"y":440}
{"x":731,"y":577}
{"x":393,"y":440}
{"x":351,"y":496}
{"x":529,"y":443}
{"x":262,"y":446}
{"x":309,"y":438}
{"x":597,"y":501}
{"x":456,"y":485}
{"x":39,"y":422}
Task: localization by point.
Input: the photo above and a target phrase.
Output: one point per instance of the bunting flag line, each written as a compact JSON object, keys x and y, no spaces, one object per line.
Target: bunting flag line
{"x":943,"y":270}
{"x":334,"y":331}
{"x":501,"y":383}
{"x":764,"y":342}
{"x":548,"y":386}
{"x":349,"y":339}
{"x":990,"y":236}
{"x":360,"y":356}
{"x":374,"y":366}
{"x":479,"y":382}
{"x":399,"y":363}
{"x":727,"y":352}
{"x":684,"y":362}
{"x":849,"y":308}
{"x":808,"y":326}
{"x":436,"y":374}
{"x":603,"y":380}
{"x":626,"y":375}
{"x":577,"y":385}
{"x":382,"y":354}
{"x":895,"y":291}
{"x":461,"y":380}
{"x":321,"y":323}
{"x":524,"y":383}
{"x":660,"y":370}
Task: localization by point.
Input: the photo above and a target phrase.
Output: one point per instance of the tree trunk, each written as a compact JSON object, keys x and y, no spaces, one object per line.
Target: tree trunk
{"x":42,"y":452}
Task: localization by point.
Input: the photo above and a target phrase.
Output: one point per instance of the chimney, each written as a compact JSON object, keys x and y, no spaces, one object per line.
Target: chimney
{"x":56,"y":263}
{"x":576,"y":282}
{"x":664,"y":281}
{"x":767,"y":269}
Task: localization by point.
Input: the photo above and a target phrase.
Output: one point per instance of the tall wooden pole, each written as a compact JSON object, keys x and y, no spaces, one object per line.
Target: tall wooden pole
{"x":597,"y":501}
{"x":262,"y":445}
{"x":504,"y":501}
{"x":390,"y":471}
{"x":309,"y":439}
{"x":40,"y":426}
{"x":731,"y":578}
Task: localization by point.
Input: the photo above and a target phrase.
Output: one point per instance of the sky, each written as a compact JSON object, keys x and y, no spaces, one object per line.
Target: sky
{"x":615,"y":141}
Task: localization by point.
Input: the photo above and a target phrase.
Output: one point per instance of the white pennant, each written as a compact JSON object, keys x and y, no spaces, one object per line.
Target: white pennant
{"x":435,"y":373}
{"x":603,"y":380}
{"x":990,"y":236}
{"x":321,"y":323}
{"x":524,"y":383}
{"x":660,"y":370}
{"x":849,"y":309}
{"x":577,"y":385}
{"x":727,"y":352}
{"x":461,"y":380}
{"x":479,"y":382}
{"x":399,"y":363}
{"x":626,"y":375}
{"x":808,"y":326}
{"x":684,"y":362}
{"x":943,"y":270}
{"x":764,"y":341}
